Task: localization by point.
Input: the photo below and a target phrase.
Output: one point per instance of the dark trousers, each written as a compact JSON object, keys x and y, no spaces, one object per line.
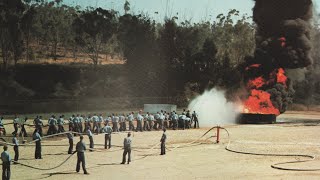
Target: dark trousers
{"x":23,"y":131}
{"x":71,"y":126}
{"x":155,"y":124}
{"x":81,"y":159}
{"x":6,"y":171}
{"x":121,"y":127}
{"x":181,"y":122}
{"x":37,"y":154}
{"x":70,"y":146}
{"x":80,"y":127}
{"x":163,"y":148}
{"x":15,"y":126}
{"x":87,"y":126}
{"x":107,"y":138}
{"x":115,"y":127}
{"x":196,"y":123}
{"x":125,"y":152}
{"x":52,"y":130}
{"x":91,"y":142}
{"x":124,"y":126}
{"x":131,"y":126}
{"x":16,"y":153}
{"x":139,"y":126}
{"x":60,"y":128}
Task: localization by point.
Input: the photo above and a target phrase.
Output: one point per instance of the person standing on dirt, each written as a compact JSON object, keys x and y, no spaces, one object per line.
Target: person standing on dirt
{"x":15,"y":141}
{"x":15,"y":124}
{"x":38,"y":123}
{"x":115,"y":122}
{"x":130,"y":119}
{"x":145,"y":122}
{"x":81,"y":148}
{"x":107,"y":137}
{"x":195,"y":119}
{"x":127,"y":149}
{"x":76,"y":123}
{"x":71,"y":123}
{"x":139,"y":122}
{"x":157,"y":121}
{"x":60,"y":124}
{"x":100,"y":120}
{"x":52,"y":125}
{"x":175,"y":118}
{"x":163,"y":142}
{"x":6,"y":159}
{"x":2,"y":129}
{"x":81,"y":119}
{"x":122,"y":122}
{"x":23,"y":132}
{"x":70,"y":138}
{"x":37,"y":139}
{"x":87,"y":123}
{"x":150,"y":121}
{"x":95,"y":123}
{"x":90,"y":135}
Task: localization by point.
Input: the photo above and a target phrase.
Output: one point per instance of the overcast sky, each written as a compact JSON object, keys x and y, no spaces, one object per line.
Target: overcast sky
{"x":196,"y":10}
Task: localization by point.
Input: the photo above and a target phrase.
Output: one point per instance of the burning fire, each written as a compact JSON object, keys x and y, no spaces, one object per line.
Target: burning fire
{"x":256,"y":83}
{"x":259,"y":101}
{"x":281,"y":77}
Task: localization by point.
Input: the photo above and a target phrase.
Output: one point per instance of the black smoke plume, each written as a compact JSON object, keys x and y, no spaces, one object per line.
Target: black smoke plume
{"x":282,"y":41}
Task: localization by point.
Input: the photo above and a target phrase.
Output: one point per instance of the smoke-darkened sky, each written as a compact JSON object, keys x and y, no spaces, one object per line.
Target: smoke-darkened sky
{"x":196,"y":10}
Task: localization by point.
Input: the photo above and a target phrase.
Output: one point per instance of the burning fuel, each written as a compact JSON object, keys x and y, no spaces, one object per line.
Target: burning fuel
{"x":282,"y":42}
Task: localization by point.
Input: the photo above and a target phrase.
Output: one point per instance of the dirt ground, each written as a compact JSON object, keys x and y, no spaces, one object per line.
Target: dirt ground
{"x":296,"y":133}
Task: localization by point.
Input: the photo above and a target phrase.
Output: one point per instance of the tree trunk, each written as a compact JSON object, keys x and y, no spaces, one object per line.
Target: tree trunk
{"x":4,"y":58}
{"x":27,"y":44}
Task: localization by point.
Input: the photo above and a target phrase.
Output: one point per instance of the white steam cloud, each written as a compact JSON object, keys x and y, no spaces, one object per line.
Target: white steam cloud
{"x":213,"y":108}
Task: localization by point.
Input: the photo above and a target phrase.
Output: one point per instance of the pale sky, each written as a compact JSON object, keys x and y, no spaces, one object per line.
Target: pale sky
{"x":196,"y":10}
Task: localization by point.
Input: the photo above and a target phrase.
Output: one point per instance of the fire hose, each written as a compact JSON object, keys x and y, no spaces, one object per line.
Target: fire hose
{"x":275,"y":166}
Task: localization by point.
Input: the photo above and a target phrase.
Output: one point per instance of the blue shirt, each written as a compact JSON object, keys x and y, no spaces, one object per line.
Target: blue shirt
{"x":70,"y":136}
{"x":139,"y":117}
{"x":151,"y":118}
{"x":16,"y":120}
{"x":130,"y":117}
{"x":36,"y":136}
{"x":127,"y":142}
{"x":90,"y":133}
{"x":60,"y":121}
{"x":107,"y":129}
{"x":15,"y":141}
{"x":5,"y":156}
{"x":81,"y":147}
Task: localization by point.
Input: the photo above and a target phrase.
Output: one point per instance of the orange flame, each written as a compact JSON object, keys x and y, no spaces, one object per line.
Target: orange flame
{"x":256,"y":83}
{"x":281,"y":77}
{"x":259,"y":103}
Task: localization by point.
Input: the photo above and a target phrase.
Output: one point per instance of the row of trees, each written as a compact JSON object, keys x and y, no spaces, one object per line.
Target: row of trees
{"x":174,"y":57}
{"x":168,"y":55}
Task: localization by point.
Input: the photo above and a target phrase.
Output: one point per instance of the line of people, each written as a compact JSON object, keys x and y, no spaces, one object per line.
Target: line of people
{"x":120,"y":122}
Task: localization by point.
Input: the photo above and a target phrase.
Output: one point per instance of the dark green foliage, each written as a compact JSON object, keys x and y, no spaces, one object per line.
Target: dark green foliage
{"x":173,"y":59}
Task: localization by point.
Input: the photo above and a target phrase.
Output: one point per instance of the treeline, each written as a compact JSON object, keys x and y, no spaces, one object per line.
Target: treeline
{"x":173,"y":58}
